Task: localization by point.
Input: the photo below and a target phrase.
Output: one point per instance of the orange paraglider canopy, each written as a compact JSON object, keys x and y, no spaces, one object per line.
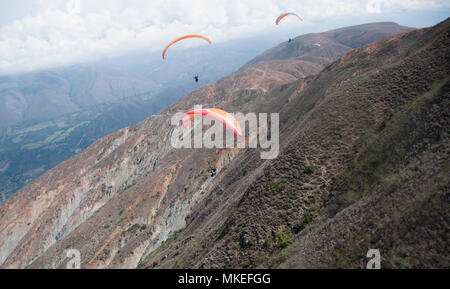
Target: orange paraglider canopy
{"x":220,"y":115}
{"x":181,"y":38}
{"x":286,"y":14}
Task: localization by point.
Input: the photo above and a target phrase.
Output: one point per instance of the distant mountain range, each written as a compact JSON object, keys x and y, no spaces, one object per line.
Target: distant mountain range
{"x":46,"y":95}
{"x":321,"y":48}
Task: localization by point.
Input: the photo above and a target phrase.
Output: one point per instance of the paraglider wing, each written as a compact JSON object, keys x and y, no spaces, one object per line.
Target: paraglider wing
{"x":181,"y":38}
{"x":286,"y":14}
{"x":220,"y":115}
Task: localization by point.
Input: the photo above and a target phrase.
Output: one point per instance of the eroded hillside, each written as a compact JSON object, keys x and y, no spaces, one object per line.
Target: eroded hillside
{"x":131,"y":200}
{"x":364,"y":165}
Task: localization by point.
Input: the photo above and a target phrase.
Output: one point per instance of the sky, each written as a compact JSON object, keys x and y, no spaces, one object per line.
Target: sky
{"x":44,"y":34}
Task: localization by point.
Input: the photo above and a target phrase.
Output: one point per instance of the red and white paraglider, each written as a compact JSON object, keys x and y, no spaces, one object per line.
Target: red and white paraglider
{"x":220,"y":115}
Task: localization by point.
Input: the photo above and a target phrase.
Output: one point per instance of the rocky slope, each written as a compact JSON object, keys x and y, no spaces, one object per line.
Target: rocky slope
{"x":364,"y":165}
{"x":131,"y":200}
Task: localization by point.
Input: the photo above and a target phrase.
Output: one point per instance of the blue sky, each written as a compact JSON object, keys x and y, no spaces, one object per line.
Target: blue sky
{"x":43,"y":34}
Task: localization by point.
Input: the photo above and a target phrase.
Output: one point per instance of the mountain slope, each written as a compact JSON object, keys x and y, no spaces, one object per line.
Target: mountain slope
{"x":321,"y":48}
{"x":48,"y":116}
{"x":130,"y":199}
{"x":365,"y":165}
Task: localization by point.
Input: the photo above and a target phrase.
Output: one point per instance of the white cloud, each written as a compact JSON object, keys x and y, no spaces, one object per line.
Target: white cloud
{"x":57,"y":32}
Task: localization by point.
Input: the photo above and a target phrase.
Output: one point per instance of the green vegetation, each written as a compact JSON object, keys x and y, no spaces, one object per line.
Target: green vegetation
{"x":32,"y":128}
{"x":281,"y":241}
{"x":309,"y":169}
{"x":379,"y":167}
{"x":170,"y":239}
{"x":379,"y":156}
{"x":274,"y":188}
{"x":55,"y":136}
{"x":31,"y":146}
{"x":62,"y":134}
{"x":30,"y":150}
{"x":133,"y":229}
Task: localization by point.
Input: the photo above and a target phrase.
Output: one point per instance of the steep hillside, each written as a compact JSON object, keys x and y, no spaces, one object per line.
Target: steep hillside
{"x":364,"y":165}
{"x":132,"y":190}
{"x":131,"y":200}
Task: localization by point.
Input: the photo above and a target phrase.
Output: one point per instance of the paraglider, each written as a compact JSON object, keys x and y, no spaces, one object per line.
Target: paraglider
{"x":220,"y":115}
{"x":181,"y":38}
{"x":282,"y":16}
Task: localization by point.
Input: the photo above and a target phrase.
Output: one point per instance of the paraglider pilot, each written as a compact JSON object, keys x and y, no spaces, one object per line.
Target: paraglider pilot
{"x":290,"y":39}
{"x":213,"y":172}
{"x":196,"y":78}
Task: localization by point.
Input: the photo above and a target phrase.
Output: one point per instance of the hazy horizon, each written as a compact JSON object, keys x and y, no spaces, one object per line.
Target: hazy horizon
{"x":36,"y":36}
